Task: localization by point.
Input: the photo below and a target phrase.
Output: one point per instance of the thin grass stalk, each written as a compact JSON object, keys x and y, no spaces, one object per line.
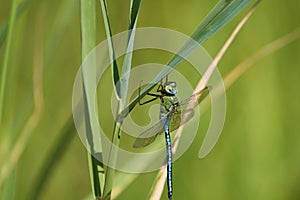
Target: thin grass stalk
{"x":88,"y":36}
{"x":266,"y":50}
{"x":159,"y":183}
{"x":212,"y":67}
{"x":109,"y":175}
{"x":11,"y":24}
{"x":114,"y":70}
{"x":134,"y":5}
{"x":109,"y":172}
{"x":4,"y":27}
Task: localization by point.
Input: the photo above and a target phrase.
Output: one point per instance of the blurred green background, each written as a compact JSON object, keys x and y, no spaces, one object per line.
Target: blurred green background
{"x":257,"y":156}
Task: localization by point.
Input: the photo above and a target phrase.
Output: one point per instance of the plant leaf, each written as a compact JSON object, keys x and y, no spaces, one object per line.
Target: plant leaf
{"x":114,"y":65}
{"x":4,"y":27}
{"x":88,"y":36}
{"x":7,"y":52}
{"x":107,"y":191}
{"x":135,"y":4}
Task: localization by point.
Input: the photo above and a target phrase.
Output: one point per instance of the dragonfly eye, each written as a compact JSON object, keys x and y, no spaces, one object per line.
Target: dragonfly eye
{"x":170,"y":88}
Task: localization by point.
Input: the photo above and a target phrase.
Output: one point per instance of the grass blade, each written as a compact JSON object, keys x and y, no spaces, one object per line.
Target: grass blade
{"x":115,"y":72}
{"x":20,"y":144}
{"x":223,"y":12}
{"x":8,"y":28}
{"x":4,"y":27}
{"x":263,"y":52}
{"x":109,"y":176}
{"x":135,"y":4}
{"x":88,"y":36}
{"x":134,"y":10}
{"x":12,"y":19}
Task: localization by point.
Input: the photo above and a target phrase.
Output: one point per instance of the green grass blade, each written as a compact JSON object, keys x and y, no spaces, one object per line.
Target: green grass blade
{"x":109,"y":173}
{"x":4,"y":27}
{"x":115,"y":72}
{"x":221,"y":14}
{"x":88,"y":36}
{"x":134,"y":10}
{"x":7,"y":31}
{"x":12,"y":19}
{"x":135,"y":5}
{"x":109,"y":176}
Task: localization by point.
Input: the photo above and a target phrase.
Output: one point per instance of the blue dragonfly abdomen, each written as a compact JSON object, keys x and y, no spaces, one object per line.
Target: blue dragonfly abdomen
{"x":169,"y":158}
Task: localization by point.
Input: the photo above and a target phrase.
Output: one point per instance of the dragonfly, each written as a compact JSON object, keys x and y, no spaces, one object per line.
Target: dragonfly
{"x":172,"y":115}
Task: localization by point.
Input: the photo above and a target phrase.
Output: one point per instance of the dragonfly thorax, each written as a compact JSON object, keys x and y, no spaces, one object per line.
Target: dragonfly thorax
{"x":170,"y":88}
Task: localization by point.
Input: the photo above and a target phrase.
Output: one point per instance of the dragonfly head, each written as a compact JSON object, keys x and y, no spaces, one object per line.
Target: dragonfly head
{"x":170,"y":88}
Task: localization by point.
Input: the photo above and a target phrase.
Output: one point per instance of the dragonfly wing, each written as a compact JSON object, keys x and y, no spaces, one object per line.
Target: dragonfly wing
{"x":196,"y":98}
{"x":148,"y":136}
{"x":180,"y":118}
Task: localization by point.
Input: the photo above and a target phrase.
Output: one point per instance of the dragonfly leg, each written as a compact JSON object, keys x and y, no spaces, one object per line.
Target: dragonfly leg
{"x":156,"y":96}
{"x":143,"y":103}
{"x":160,"y":87}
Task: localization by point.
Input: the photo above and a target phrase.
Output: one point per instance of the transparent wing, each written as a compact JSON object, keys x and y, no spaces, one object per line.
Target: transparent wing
{"x":148,"y":136}
{"x":187,"y":114}
{"x":180,"y":118}
{"x":196,"y":98}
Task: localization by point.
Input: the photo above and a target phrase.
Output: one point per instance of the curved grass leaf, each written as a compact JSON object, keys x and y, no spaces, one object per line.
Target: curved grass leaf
{"x":221,"y":14}
{"x":4,"y":67}
{"x":88,"y":36}
{"x":115,"y":72}
{"x":7,"y":31}
{"x":134,"y":10}
{"x":109,"y":176}
{"x":135,"y":4}
{"x":4,"y":27}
